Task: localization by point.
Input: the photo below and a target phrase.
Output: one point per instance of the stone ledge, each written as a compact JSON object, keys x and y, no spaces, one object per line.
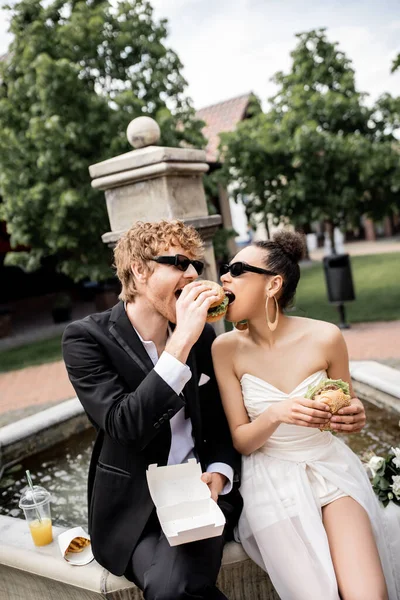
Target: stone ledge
{"x":376,"y":383}
{"x":374,"y":396}
{"x":163,"y":169}
{"x":143,"y":157}
{"x":30,"y":573}
{"x":42,"y":430}
{"x":207,"y":226}
{"x":376,"y":375}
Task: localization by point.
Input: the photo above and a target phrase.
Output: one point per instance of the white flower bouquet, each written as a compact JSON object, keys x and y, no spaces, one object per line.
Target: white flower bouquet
{"x":385,"y":475}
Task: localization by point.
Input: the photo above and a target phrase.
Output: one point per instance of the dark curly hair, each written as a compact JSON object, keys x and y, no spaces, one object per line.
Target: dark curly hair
{"x":283,"y":254}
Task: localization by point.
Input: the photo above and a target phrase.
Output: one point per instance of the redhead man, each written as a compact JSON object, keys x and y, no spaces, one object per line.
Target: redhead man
{"x":143,"y":373}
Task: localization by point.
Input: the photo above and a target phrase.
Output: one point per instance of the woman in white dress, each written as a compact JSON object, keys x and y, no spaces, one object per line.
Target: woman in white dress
{"x":310,"y":517}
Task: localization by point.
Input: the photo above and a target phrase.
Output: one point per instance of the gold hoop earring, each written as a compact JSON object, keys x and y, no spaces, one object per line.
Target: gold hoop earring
{"x":241,"y":325}
{"x":272,"y":324}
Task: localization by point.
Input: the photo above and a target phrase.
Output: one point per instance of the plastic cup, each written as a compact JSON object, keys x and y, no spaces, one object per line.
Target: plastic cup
{"x":36,"y":507}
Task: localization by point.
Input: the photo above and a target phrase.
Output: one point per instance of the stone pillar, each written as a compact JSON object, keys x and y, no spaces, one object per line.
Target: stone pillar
{"x":151,"y":183}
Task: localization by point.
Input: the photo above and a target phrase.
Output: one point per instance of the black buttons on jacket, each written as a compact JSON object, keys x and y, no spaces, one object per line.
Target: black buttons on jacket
{"x":166,"y":417}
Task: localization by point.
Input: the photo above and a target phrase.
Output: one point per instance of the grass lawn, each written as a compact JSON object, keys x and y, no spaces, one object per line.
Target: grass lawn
{"x":377,"y":287}
{"x":36,"y":353}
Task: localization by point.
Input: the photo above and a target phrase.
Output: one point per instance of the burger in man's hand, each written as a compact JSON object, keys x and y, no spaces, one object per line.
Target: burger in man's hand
{"x":333,"y":392}
{"x":218,"y":309}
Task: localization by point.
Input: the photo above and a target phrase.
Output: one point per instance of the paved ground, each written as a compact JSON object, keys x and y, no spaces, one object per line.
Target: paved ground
{"x":35,"y":388}
{"x":374,"y":341}
{"x":25,"y":391}
{"x":381,"y":246}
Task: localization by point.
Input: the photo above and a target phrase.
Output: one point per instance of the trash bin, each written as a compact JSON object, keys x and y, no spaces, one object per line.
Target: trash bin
{"x":338,"y":277}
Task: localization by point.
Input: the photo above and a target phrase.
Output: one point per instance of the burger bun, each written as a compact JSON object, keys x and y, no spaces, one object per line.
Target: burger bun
{"x":335,"y":399}
{"x":217,"y":289}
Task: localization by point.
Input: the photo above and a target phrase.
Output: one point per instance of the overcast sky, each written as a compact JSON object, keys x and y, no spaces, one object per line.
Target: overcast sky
{"x":230,"y":47}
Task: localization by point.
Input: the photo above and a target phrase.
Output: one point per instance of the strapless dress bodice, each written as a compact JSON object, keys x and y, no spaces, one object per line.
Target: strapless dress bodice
{"x":259,"y":395}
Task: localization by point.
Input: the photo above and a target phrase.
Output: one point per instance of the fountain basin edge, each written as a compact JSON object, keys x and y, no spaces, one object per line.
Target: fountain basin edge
{"x":40,"y":431}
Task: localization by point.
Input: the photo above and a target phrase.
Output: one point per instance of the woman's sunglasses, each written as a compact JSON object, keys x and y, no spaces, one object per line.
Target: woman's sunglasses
{"x":181,"y":262}
{"x":238,"y":268}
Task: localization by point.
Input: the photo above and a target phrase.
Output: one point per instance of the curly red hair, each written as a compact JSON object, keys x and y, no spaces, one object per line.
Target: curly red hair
{"x":144,"y":241}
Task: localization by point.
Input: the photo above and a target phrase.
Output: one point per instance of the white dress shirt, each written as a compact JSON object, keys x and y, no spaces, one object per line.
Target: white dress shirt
{"x":176,"y":375}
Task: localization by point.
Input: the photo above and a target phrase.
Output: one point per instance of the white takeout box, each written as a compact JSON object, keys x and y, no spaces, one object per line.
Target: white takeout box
{"x":184,"y":505}
{"x":75,"y":558}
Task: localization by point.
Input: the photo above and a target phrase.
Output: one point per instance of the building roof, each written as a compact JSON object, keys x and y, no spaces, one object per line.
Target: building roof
{"x":220,"y":118}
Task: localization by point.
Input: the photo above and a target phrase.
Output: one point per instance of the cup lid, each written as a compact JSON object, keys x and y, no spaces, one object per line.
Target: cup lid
{"x":31,"y":499}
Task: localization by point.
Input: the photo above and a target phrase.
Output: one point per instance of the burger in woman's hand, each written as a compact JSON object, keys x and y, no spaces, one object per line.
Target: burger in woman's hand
{"x":333,"y":392}
{"x":218,"y":309}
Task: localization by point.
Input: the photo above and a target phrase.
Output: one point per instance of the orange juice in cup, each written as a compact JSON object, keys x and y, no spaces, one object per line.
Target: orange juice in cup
{"x":41,"y":532}
{"x":35,"y":502}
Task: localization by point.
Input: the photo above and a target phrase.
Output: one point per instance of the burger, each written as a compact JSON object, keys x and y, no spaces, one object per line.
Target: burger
{"x":333,"y":392}
{"x":218,"y":308}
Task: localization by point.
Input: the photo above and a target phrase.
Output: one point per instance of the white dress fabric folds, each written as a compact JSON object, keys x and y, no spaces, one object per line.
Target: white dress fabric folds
{"x":284,"y":486}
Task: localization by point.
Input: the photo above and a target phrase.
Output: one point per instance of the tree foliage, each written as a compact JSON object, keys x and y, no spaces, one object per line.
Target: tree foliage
{"x":396,"y":63}
{"x":319,"y":152}
{"x":76,"y":73}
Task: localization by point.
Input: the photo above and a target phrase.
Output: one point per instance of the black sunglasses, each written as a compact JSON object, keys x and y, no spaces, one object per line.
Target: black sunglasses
{"x":238,"y":268}
{"x":181,"y":262}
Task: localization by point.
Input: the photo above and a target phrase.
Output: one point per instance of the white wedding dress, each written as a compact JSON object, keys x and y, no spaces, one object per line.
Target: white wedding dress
{"x":284,"y":485}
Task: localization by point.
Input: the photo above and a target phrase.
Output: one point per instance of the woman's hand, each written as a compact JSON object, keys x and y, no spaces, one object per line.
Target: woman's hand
{"x":350,"y":418}
{"x":301,"y":411}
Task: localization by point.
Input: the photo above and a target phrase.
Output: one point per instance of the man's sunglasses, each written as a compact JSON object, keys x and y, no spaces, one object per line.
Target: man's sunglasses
{"x":181,"y":262}
{"x":238,"y":268}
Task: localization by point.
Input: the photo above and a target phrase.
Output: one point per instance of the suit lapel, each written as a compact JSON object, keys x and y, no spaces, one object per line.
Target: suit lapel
{"x":123,"y":332}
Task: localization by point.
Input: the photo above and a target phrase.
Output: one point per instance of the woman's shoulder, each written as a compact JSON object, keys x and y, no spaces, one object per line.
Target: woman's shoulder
{"x":226,"y":342}
{"x":322,"y":330}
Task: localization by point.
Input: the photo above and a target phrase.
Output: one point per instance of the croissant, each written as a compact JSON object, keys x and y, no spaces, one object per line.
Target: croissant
{"x":78,"y":544}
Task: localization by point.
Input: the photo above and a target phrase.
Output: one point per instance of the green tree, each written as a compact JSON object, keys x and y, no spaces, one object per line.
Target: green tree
{"x":315,"y":154}
{"x":76,"y":73}
{"x":396,"y":63}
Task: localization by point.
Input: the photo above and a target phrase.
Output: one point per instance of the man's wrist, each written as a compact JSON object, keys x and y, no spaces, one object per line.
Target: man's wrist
{"x":179,"y":346}
{"x":223,"y":478}
{"x":175,"y":373}
{"x":226,"y":474}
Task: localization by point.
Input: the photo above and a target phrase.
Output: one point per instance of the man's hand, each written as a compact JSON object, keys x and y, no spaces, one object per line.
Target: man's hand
{"x":216,"y":482}
{"x":191,"y":313}
{"x":350,"y":418}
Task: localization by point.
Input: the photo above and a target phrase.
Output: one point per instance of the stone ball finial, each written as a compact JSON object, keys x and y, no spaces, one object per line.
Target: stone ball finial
{"x":142,"y":132}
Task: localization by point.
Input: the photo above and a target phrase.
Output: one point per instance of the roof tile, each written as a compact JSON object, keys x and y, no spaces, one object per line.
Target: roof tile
{"x":220,"y":118}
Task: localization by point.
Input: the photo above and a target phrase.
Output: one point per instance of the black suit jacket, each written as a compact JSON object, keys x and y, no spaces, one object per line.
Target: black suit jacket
{"x":130,"y":405}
